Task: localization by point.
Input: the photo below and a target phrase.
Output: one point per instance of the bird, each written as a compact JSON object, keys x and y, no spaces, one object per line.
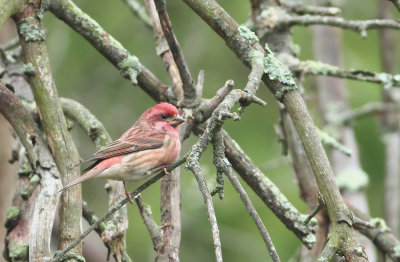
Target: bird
{"x":151,"y":144}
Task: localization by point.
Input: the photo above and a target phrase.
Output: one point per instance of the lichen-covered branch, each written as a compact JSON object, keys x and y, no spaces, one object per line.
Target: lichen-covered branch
{"x":269,"y":19}
{"x":189,"y":90}
{"x":115,"y":238}
{"x":310,"y":67}
{"x":31,"y":36}
{"x":110,"y":48}
{"x":380,"y":234}
{"x":43,"y":163}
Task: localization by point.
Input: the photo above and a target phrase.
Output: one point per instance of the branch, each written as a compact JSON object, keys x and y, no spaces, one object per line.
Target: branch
{"x":310,"y":67}
{"x":269,"y":19}
{"x":302,"y":9}
{"x":366,"y":109}
{"x":58,"y":256}
{"x":189,"y":90}
{"x":31,"y":36}
{"x":43,"y":163}
{"x":111,"y":49}
{"x":380,"y":235}
{"x":140,"y":11}
{"x":223,"y":165}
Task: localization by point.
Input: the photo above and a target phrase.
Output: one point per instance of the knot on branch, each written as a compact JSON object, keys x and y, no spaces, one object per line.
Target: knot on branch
{"x":31,"y":30}
{"x":130,"y":68}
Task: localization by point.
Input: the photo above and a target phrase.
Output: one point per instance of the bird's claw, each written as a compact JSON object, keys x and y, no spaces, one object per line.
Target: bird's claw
{"x":165,"y":171}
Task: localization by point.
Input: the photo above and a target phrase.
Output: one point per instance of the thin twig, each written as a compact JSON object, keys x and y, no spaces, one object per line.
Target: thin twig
{"x":356,"y":25}
{"x":222,"y":164}
{"x":59,"y":255}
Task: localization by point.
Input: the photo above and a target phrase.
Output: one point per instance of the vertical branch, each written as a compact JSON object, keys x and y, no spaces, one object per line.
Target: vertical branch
{"x":170,"y":217}
{"x":42,"y":162}
{"x":63,"y":149}
{"x":189,"y":90}
{"x":164,"y":52}
{"x":307,"y":184}
{"x":390,"y":124}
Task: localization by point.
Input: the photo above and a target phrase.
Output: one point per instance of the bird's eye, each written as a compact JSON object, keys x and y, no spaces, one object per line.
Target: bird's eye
{"x":164,"y":116}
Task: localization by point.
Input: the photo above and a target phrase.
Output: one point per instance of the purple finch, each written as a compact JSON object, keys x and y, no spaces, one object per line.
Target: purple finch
{"x":150,"y":145}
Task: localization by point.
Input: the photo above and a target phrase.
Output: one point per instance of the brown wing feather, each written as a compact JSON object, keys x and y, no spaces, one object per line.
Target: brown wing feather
{"x":138,"y":140}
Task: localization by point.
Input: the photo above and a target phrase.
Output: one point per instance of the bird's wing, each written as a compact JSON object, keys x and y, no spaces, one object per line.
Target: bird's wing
{"x":137,"y":140}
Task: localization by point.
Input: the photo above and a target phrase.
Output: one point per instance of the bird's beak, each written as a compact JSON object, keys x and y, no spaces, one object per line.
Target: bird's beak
{"x":176,"y":120}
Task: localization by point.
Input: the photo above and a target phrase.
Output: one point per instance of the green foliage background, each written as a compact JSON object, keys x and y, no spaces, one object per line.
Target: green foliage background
{"x":83,"y":74}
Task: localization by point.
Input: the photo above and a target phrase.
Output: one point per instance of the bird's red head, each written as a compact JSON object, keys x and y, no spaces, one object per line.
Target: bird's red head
{"x":163,"y":117}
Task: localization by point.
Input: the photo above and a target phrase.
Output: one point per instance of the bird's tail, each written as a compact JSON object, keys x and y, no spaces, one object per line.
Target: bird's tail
{"x":90,"y":174}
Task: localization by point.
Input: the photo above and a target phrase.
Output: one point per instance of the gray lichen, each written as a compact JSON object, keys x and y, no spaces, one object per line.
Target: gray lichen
{"x":247,"y":33}
{"x":276,"y":70}
{"x":130,"y":67}
{"x":28,"y":69}
{"x":30,"y":30}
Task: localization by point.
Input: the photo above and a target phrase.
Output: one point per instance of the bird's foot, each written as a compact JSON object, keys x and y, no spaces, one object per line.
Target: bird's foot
{"x":165,"y":171}
{"x":128,"y":195}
